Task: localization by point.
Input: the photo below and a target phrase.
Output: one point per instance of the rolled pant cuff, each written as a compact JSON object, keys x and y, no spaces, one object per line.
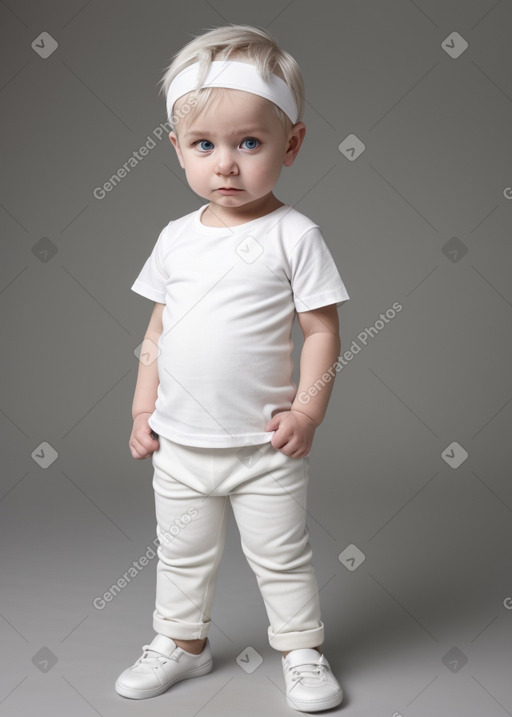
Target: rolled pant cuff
{"x":180,"y":630}
{"x":285,"y":641}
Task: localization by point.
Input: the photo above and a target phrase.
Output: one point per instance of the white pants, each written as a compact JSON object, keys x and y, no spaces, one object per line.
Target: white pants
{"x":267,"y":490}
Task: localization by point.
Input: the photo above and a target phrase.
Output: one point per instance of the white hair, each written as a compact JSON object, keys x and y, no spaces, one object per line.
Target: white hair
{"x":242,"y":42}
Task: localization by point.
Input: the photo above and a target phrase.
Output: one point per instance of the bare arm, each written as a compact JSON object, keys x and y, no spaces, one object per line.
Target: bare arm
{"x":147,"y":378}
{"x":141,"y":443}
{"x":295,"y":429}
{"x":319,"y":354}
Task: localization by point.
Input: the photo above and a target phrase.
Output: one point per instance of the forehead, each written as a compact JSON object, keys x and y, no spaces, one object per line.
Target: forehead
{"x":233,"y":111}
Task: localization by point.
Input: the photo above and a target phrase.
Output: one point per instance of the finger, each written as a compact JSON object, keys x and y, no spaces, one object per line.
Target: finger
{"x":146,"y":441}
{"x":279,"y":444}
{"x":139,"y":448}
{"x":294,"y":451}
{"x":285,"y":449}
{"x":280,"y":439}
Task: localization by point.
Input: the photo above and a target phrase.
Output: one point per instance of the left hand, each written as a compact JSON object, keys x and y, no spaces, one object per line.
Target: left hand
{"x":294,"y":432}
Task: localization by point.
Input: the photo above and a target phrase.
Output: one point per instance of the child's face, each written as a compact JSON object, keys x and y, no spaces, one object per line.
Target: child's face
{"x":239,"y":143}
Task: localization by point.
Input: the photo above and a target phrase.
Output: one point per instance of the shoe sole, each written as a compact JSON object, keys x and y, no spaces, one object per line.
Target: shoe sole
{"x":134,"y":694}
{"x":315,"y":706}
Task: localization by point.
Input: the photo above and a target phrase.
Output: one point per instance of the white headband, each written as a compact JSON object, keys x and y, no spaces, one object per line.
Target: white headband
{"x":234,"y":76}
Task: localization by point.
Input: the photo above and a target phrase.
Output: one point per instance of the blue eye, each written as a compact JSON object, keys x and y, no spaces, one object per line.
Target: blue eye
{"x":251,"y":143}
{"x":202,"y":142}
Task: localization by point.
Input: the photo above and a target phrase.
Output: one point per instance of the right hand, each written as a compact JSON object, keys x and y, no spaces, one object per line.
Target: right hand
{"x":141,"y":442}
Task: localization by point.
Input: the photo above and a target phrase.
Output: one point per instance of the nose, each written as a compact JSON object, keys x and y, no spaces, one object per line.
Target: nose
{"x":226,"y":162}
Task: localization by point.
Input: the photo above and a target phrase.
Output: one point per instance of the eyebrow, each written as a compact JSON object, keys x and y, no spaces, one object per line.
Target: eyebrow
{"x":246,"y":131}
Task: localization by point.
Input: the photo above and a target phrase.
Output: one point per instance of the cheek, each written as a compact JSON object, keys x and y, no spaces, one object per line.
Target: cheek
{"x":195,"y":170}
{"x":266,"y":170}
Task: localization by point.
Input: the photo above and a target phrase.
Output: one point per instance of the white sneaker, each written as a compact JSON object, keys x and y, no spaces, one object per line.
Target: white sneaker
{"x":161,"y":664}
{"x":310,"y":684}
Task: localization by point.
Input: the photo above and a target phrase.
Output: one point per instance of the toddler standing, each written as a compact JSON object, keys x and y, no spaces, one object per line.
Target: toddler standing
{"x":217,"y":410}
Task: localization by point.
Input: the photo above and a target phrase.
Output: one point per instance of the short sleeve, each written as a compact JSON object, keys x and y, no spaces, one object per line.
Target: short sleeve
{"x":315,"y":279}
{"x":152,"y":280}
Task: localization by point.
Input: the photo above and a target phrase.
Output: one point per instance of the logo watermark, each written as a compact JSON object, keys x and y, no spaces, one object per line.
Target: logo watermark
{"x":100,"y":601}
{"x":161,"y":131}
{"x":363,"y":338}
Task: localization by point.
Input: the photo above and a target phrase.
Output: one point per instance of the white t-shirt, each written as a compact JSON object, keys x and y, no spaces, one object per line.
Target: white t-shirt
{"x":230,"y":296}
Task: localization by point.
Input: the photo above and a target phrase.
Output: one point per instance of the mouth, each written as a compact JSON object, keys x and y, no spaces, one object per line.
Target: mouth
{"x":229,"y":189}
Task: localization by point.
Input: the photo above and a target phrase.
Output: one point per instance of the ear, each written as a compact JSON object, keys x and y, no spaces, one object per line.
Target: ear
{"x":295,"y":139}
{"x":175,"y":143}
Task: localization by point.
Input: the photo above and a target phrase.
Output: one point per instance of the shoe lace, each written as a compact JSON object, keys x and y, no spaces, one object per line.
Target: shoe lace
{"x":308,"y":670}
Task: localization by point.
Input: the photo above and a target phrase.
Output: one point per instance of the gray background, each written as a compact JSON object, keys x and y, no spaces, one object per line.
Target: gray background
{"x":435,"y":176}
